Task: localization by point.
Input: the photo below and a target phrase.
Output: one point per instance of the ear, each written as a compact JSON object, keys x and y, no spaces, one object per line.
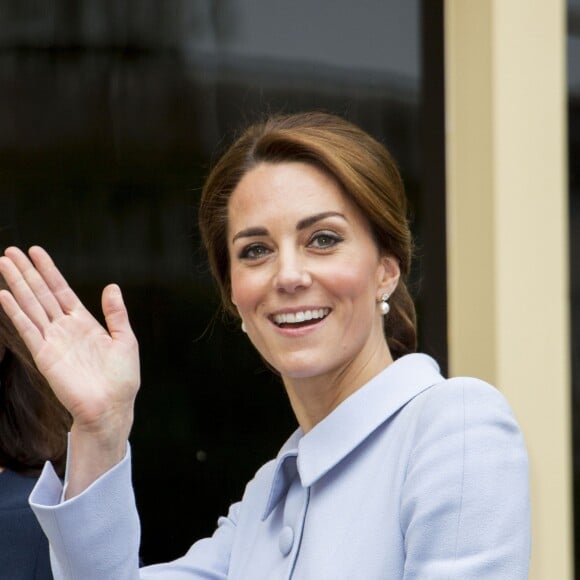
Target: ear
{"x":389,"y":273}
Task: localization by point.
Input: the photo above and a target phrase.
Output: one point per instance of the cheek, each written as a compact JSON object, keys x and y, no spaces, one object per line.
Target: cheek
{"x":355,"y":281}
{"x":245,"y":290}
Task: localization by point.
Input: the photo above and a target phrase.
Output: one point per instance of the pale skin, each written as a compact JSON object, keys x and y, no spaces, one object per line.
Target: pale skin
{"x":94,"y":370}
{"x":310,"y":248}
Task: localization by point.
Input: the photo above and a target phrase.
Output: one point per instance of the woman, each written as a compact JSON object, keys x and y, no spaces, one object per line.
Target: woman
{"x":33,"y":428}
{"x":394,"y":472}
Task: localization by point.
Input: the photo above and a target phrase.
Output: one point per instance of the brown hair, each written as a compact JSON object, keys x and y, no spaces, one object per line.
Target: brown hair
{"x":33,"y":423}
{"x":361,"y":165}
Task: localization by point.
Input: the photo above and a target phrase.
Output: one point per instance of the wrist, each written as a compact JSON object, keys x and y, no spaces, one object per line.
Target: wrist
{"x":92,"y":454}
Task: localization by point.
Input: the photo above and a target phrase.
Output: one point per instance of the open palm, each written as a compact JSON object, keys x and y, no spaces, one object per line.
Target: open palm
{"x":94,"y":371}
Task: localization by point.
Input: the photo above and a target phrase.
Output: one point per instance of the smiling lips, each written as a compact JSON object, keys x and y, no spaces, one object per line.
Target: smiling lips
{"x":301,"y":317}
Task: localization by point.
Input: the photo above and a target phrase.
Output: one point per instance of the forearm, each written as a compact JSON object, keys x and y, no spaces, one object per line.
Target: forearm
{"x":96,"y":534}
{"x":93,"y":453}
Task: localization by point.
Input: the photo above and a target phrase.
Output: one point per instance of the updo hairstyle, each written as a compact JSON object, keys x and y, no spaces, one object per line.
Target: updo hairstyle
{"x":363,"y":168}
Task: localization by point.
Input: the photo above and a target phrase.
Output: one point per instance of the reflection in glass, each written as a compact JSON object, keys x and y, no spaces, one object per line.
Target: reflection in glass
{"x":109,"y":119}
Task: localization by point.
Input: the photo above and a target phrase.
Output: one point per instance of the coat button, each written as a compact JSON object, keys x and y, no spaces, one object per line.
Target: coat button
{"x":286,"y":540}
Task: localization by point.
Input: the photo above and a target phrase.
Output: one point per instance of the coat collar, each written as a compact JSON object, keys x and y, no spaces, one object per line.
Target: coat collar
{"x":312,"y":455}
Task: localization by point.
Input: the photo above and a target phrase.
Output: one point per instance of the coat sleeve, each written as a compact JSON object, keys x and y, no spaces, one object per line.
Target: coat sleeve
{"x":96,"y":535}
{"x":465,"y":511}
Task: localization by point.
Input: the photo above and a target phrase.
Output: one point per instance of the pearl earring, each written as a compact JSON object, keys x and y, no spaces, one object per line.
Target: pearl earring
{"x":244,"y":327}
{"x":384,"y":305}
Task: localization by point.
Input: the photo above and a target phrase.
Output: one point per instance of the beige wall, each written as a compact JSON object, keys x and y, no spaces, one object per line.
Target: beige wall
{"x":507,"y":236}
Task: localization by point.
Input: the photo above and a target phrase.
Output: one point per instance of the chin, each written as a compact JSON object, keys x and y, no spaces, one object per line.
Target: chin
{"x":299,"y":374}
{"x":301,"y":363}
{"x":300,"y":370}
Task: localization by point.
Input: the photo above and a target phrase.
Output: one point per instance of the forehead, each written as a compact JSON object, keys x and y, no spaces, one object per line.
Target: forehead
{"x":286,"y":190}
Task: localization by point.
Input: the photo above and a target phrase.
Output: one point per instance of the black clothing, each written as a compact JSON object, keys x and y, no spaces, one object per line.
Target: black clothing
{"x":23,"y":545}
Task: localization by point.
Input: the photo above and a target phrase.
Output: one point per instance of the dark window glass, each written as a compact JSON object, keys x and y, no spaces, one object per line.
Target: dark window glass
{"x":573,"y":46}
{"x":110,"y":116}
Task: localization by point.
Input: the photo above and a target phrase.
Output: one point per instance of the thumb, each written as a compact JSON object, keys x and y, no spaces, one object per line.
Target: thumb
{"x":115,"y":312}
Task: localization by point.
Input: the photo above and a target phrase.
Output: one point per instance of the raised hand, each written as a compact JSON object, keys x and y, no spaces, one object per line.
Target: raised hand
{"x":94,"y":371}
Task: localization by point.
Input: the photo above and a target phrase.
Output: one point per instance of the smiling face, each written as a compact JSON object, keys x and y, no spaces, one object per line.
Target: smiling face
{"x":306,"y":273}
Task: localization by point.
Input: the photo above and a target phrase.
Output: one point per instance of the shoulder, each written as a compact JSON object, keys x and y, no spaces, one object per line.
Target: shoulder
{"x":465,"y":499}
{"x":466,"y":428}
{"x":464,"y":396}
{"x":465,"y":413}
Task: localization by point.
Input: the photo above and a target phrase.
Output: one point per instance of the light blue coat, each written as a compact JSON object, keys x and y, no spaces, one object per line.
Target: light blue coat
{"x":411,"y":477}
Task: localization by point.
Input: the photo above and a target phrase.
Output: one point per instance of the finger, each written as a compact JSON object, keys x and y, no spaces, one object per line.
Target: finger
{"x":25,"y":327}
{"x":55,"y":281}
{"x":35,"y":282}
{"x":22,"y":292}
{"x":116,"y":316}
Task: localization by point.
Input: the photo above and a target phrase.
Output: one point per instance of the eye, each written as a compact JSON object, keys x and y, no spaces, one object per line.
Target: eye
{"x":323,"y":240}
{"x":253,"y":251}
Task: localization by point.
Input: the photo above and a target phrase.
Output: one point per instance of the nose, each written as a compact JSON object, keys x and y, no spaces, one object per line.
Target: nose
{"x":292,"y":274}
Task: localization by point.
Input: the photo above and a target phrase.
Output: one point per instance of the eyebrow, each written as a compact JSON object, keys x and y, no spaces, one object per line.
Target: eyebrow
{"x":301,"y":225}
{"x":250,"y":232}
{"x":307,"y":222}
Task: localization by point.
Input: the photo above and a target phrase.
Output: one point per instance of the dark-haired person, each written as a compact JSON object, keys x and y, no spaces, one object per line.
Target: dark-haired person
{"x":33,"y":429}
{"x":394,"y":471}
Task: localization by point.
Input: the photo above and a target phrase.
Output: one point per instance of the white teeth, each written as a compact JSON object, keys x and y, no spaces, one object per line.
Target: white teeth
{"x":294,"y":317}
